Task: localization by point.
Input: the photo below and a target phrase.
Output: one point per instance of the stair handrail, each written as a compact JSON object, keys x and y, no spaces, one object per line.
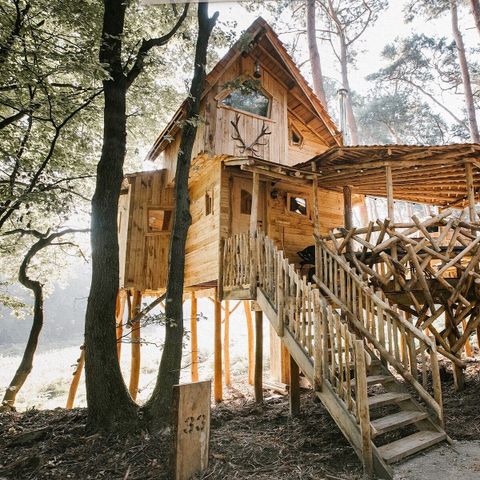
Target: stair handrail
{"x":372,"y":317}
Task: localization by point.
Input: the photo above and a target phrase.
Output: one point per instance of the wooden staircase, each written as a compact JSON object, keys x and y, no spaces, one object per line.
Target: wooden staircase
{"x":361,"y":360}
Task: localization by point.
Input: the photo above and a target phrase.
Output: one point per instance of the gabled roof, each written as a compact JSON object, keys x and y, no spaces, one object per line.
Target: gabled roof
{"x":301,"y":94}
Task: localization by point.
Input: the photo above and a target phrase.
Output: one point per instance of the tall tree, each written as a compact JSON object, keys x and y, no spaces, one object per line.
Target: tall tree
{"x":109,"y":403}
{"x":432,"y":9}
{"x":467,"y":84}
{"x":157,"y":407}
{"x":43,"y":240}
{"x":347,"y":22}
{"x":314,"y":54}
{"x":475,"y":6}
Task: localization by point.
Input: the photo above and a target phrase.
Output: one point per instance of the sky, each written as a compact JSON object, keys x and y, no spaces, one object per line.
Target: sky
{"x":388,"y":27}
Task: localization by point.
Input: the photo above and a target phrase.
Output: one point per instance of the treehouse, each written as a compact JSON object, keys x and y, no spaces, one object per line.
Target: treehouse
{"x":363,"y":312}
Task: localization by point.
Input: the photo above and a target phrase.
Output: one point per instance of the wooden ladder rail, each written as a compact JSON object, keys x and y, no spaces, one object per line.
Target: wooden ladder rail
{"x":314,"y":334}
{"x":396,"y":340}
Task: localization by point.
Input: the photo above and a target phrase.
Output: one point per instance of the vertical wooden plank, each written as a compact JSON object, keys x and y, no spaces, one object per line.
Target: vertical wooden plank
{"x":190,"y":429}
{"x":76,"y":379}
{"x":294,"y":389}
{"x":347,"y":212}
{"x":194,"y":337}
{"x":226,"y":343}
{"x":362,"y":406}
{"x":135,"y":339}
{"x":217,"y":374}
{"x":248,"y":318}
{"x":258,"y":356}
{"x":253,"y":232}
{"x":470,"y":191}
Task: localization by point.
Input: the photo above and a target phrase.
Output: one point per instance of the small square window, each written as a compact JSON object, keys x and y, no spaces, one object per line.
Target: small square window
{"x":159,"y":220}
{"x":297,"y":205}
{"x":245,"y":202}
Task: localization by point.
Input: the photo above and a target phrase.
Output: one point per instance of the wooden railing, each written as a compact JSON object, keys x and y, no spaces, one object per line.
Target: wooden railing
{"x":398,"y":342}
{"x":236,"y":264}
{"x":303,"y":313}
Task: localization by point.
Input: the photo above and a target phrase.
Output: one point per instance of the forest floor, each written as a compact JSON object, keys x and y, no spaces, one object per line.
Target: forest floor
{"x":247,"y":442}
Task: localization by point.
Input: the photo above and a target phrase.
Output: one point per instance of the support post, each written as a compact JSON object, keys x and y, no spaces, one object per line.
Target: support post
{"x":316,"y":222}
{"x":248,"y":317}
{"x":135,"y":339}
{"x":391,"y":205}
{"x":294,"y":389}
{"x":226,"y":344}
{"x":470,"y":192}
{"x":194,"y":337}
{"x":76,"y":379}
{"x":253,"y":235}
{"x":217,"y":375}
{"x":347,"y":212}
{"x":458,"y":374}
{"x":258,"y":356}
{"x":362,"y":407}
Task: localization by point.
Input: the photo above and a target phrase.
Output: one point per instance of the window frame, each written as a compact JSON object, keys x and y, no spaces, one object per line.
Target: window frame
{"x":227,"y":91}
{"x":294,"y":195}
{"x":150,"y":233}
{"x":293,"y":129}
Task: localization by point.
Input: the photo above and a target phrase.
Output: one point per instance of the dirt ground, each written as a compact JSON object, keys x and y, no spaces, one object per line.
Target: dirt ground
{"x":247,"y":442}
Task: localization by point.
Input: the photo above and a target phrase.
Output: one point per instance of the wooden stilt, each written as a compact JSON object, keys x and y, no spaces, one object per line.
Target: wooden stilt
{"x":226,"y":343}
{"x":468,"y":347}
{"x":258,"y":356}
{"x":135,"y":339}
{"x":76,"y":379}
{"x":217,"y":375}
{"x":194,"y":337}
{"x":347,"y":212}
{"x":119,"y":314}
{"x":294,"y":390}
{"x":458,"y":374}
{"x":248,"y":317}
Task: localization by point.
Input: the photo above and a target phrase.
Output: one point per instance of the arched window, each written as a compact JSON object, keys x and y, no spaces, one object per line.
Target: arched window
{"x":247,"y":98}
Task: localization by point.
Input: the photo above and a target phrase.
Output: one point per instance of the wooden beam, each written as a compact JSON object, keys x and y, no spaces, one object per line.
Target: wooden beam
{"x":294,"y":389}
{"x":470,"y":192}
{"x":217,"y":375}
{"x":226,"y":344}
{"x":135,"y":339}
{"x":251,"y":362}
{"x":194,"y":337}
{"x":76,"y":379}
{"x":258,"y":356}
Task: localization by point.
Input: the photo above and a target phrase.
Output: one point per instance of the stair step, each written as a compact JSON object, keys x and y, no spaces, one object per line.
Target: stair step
{"x":396,"y":420}
{"x":387,"y":399}
{"x":374,"y":379}
{"x":395,"y":451}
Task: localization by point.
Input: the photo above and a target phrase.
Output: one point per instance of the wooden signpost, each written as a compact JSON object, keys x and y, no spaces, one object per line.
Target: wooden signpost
{"x":191,"y":429}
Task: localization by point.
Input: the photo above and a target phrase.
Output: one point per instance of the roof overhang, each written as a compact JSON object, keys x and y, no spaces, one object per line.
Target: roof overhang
{"x":422,"y":174}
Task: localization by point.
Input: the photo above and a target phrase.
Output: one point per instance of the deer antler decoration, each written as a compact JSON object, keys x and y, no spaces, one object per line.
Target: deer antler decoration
{"x":253,"y":147}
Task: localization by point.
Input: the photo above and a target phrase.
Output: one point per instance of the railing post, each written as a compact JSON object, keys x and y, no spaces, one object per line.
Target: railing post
{"x":363,"y":414}
{"x":280,"y":295}
{"x":437,"y":384}
{"x":253,"y":265}
{"x":318,"y":338}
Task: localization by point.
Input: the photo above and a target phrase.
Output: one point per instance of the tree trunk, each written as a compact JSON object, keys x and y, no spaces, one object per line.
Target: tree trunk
{"x":318,"y":85}
{"x":467,"y":86}
{"x":26,"y":364}
{"x":158,"y":408}
{"x":109,"y":403}
{"x":351,"y":121}
{"x":476,"y":12}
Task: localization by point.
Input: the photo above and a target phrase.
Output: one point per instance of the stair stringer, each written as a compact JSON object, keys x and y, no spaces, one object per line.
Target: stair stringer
{"x":335,"y":407}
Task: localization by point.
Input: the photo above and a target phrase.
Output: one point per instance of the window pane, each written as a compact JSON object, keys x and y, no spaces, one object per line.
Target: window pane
{"x":245,"y":202}
{"x":298,"y":205}
{"x":159,"y":220}
{"x":248,"y":100}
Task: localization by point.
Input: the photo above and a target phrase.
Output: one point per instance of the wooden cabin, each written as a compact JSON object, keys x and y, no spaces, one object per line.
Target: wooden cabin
{"x":259,"y":115}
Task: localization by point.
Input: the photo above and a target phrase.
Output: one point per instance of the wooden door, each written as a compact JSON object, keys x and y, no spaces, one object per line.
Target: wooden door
{"x":242,"y":204}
